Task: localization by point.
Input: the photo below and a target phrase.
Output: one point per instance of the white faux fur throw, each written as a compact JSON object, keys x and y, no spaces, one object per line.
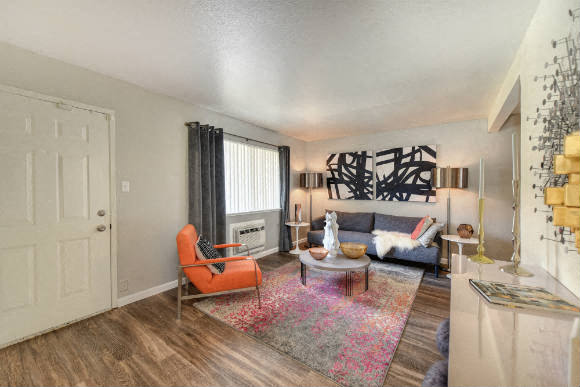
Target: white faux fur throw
{"x":386,"y":240}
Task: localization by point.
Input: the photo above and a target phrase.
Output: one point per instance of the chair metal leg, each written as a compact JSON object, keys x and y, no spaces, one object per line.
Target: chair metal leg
{"x":256,"y":277}
{"x":179,"y":281}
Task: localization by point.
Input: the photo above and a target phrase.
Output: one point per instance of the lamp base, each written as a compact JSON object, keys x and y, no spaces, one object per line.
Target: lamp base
{"x":480,"y":258}
{"x":518,"y":272}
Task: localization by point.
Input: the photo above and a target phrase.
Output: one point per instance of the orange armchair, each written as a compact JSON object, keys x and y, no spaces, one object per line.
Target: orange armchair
{"x":241,"y":273}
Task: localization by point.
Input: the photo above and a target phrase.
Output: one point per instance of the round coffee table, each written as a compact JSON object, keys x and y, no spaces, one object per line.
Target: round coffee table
{"x":338,"y":263}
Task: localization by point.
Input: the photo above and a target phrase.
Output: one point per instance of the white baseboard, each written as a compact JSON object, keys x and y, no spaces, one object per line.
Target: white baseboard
{"x":122,"y":301}
{"x":262,"y":254}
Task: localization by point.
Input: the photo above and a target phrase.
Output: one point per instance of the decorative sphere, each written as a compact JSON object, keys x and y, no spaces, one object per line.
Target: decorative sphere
{"x":465,"y":231}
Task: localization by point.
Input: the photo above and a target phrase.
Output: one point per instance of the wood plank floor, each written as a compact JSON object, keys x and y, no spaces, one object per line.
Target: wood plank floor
{"x":142,"y":344}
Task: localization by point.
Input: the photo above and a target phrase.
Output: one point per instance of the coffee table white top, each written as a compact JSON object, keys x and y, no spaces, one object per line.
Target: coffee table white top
{"x":458,"y":239}
{"x":338,"y":263}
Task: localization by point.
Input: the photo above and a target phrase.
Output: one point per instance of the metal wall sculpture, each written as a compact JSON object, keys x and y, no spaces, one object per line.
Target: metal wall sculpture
{"x":350,"y":175}
{"x":404,"y":174}
{"x":558,"y":172}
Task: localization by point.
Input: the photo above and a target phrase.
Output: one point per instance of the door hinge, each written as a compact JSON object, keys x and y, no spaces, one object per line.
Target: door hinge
{"x":110,"y":226}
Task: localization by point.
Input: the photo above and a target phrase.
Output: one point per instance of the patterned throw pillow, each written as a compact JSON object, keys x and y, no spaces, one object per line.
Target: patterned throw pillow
{"x":205,"y":250}
{"x":422,"y":226}
{"x":428,"y":222}
{"x":427,"y":238}
{"x":417,"y":229}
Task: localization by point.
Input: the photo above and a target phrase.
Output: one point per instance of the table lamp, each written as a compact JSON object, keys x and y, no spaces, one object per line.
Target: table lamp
{"x":310,"y":180}
{"x":449,"y":178}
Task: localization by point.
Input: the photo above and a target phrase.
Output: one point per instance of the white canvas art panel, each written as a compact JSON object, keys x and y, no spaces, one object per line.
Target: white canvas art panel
{"x":404,"y":174}
{"x":350,"y":175}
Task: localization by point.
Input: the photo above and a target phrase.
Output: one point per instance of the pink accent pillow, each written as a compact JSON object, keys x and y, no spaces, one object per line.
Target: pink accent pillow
{"x":417,"y":230}
{"x":421,"y":227}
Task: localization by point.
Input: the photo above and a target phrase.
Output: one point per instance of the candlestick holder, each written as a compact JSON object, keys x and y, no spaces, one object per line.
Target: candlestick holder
{"x":514,"y":268}
{"x":480,"y":257}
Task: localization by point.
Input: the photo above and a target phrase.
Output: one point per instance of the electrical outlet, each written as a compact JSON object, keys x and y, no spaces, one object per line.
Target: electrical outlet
{"x":123,"y":285}
{"x":125,"y":186}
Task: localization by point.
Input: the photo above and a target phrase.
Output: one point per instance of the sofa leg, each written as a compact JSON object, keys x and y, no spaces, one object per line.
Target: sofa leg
{"x":436,"y":271}
{"x":179,"y":281}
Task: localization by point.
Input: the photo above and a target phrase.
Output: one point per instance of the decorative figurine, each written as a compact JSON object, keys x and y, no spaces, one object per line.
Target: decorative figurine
{"x":330,"y":240}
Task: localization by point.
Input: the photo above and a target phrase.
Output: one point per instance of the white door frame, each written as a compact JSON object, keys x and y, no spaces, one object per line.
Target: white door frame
{"x":110,"y":114}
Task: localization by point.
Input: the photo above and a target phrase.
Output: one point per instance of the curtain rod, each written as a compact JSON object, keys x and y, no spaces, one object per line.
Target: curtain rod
{"x":250,"y":139}
{"x":238,"y":136}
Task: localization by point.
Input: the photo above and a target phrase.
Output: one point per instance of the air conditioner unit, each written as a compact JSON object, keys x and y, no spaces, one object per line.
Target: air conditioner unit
{"x":252,"y":233}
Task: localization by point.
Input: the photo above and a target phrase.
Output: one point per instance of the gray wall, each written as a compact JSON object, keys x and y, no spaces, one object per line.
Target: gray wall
{"x":459,"y":144}
{"x":151,"y":153}
{"x":272,"y":219}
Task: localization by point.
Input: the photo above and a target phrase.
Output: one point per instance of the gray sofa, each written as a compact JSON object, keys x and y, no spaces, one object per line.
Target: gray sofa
{"x":357,"y":227}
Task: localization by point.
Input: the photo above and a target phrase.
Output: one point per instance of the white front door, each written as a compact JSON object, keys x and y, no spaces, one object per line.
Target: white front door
{"x":55,"y":262}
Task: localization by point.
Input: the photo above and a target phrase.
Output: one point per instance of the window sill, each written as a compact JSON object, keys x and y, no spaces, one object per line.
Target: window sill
{"x":253,"y":212}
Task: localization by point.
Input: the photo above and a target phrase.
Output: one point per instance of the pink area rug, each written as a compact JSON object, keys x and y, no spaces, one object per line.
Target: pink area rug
{"x":351,"y":340}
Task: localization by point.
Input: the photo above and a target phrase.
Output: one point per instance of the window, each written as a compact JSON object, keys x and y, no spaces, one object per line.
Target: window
{"x":252,"y":178}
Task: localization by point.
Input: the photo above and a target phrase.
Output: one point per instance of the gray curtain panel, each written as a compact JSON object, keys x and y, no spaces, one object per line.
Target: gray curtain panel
{"x":207,"y":195}
{"x":285,"y":240}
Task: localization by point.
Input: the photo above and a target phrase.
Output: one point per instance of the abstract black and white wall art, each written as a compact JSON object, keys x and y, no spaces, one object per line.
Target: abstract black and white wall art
{"x":350,"y":175}
{"x":404,"y":174}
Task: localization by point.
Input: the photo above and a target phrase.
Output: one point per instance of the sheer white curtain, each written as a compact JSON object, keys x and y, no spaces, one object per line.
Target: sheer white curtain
{"x":252,"y":177}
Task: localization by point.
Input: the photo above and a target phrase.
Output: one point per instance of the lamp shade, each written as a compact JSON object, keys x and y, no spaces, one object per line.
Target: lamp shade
{"x":311,"y":180}
{"x":449,"y":177}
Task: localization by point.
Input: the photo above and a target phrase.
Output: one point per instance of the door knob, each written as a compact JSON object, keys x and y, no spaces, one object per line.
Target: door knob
{"x":101,"y":227}
{"x":101,"y":213}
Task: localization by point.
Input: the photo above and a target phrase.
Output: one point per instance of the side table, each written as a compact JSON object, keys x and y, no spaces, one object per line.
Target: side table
{"x":297,"y":226}
{"x":460,"y":242}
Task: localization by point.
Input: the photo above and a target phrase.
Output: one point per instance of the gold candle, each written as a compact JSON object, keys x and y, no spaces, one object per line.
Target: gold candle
{"x":480,"y":256}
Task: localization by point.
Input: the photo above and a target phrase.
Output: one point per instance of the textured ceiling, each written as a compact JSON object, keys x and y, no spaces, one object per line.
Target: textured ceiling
{"x":308,"y":69}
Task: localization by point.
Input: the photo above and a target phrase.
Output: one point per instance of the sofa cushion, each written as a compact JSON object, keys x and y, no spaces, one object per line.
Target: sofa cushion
{"x":355,"y":221}
{"x":404,"y":224}
{"x":318,"y":223}
{"x":419,"y":254}
{"x":316,"y":237}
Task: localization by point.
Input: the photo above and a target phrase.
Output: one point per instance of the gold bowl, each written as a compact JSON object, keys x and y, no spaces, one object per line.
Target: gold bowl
{"x":353,"y":250}
{"x":318,"y":252}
